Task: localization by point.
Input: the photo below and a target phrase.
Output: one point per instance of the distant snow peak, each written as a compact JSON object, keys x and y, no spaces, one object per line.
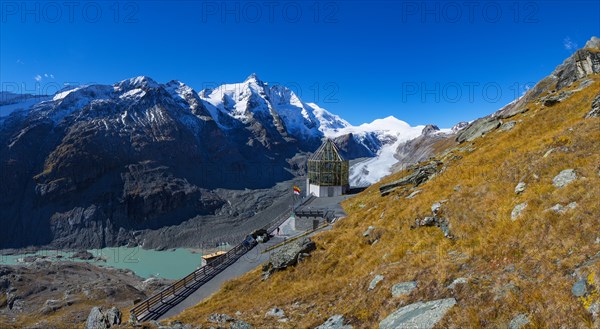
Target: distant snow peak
{"x":65,"y":92}
{"x":142,"y":82}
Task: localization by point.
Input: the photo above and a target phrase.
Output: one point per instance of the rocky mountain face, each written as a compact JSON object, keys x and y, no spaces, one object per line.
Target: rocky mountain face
{"x":92,"y":166}
{"x":93,"y":163}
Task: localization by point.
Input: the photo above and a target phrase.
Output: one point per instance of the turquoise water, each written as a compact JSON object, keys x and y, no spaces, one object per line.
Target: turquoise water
{"x":169,"y":264}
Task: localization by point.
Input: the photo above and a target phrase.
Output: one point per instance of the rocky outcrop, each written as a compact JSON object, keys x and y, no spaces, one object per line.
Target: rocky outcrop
{"x":582,"y":63}
{"x":430,"y":143}
{"x":430,"y":129}
{"x":288,"y":255}
{"x":419,"y":175}
{"x":350,"y":148}
{"x":554,"y":99}
{"x":459,"y":126}
{"x":595,"y":111}
{"x":118,"y":159}
{"x":477,"y":129}
{"x":98,"y":319}
{"x":60,"y":290}
{"x":436,"y":220}
{"x":422,"y":315}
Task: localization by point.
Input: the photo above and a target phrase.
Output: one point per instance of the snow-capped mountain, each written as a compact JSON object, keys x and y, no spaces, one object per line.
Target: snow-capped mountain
{"x":101,"y":160}
{"x":276,"y":109}
{"x":254,"y":102}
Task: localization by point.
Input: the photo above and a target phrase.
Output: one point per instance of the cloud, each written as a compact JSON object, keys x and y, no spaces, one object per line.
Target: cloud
{"x":569,"y":44}
{"x":51,"y":76}
{"x":19,"y":61}
{"x":38,"y":78}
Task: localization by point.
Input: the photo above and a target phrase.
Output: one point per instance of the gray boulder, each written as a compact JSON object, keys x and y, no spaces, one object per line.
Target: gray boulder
{"x":554,"y":99}
{"x":403,"y":288}
{"x":96,"y":320}
{"x":378,"y":278}
{"x":413,"y":194}
{"x":334,"y":322}
{"x":435,"y":208}
{"x":517,"y":210}
{"x":518,"y":321}
{"x":113,"y":316}
{"x":289,"y":255}
{"x":456,"y":282}
{"x":520,"y":188}
{"x":579,"y":288}
{"x":508,"y":125}
{"x":276,"y":312}
{"x":420,"y":315}
{"x":442,"y":223}
{"x":564,"y":178}
{"x":558,"y":208}
{"x":478,"y":128}
{"x":595,"y":112}
{"x":418,"y":176}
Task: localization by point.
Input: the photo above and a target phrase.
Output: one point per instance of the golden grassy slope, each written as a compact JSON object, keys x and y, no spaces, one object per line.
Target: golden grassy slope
{"x":545,"y":248}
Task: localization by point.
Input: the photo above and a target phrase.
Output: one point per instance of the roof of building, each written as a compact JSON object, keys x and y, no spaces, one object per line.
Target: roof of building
{"x":214,"y":254}
{"x":328,"y":151}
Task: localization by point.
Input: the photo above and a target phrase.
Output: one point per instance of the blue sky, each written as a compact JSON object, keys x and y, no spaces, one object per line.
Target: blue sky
{"x":423,"y":62}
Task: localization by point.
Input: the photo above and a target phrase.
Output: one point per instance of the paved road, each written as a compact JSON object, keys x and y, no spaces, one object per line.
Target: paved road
{"x":245,"y":264}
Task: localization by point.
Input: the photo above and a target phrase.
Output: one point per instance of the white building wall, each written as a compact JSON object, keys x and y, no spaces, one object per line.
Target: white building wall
{"x":325,"y":191}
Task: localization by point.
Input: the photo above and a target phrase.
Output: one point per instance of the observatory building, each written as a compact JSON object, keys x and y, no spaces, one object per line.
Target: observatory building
{"x":327,"y":171}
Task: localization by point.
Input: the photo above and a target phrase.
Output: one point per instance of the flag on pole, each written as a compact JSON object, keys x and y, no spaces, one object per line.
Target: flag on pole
{"x":296,"y":190}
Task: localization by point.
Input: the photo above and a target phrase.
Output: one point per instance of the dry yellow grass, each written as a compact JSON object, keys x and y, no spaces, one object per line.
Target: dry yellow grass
{"x":517,"y":266}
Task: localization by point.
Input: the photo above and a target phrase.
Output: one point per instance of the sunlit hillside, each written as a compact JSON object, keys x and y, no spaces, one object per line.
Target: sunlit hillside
{"x":522,"y":265}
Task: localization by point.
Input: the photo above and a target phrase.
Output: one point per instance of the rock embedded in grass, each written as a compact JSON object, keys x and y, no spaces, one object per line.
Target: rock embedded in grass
{"x":517,"y":210}
{"x":275,"y":312}
{"x":519,"y":321}
{"x":403,"y":288}
{"x":456,"y":282}
{"x":508,"y":126}
{"x":422,"y":315}
{"x":579,"y":288}
{"x":595,"y":112}
{"x":335,"y":322}
{"x":564,"y":178}
{"x":378,"y":278}
{"x":520,"y":188}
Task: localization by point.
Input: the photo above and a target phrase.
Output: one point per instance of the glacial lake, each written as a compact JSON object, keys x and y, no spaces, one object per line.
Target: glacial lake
{"x":168,"y":264}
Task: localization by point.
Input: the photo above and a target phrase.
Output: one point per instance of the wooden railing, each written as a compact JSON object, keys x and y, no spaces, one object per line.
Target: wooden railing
{"x":158,"y":304}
